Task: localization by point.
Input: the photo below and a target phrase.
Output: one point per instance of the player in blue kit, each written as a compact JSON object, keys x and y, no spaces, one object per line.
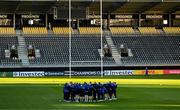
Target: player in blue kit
{"x":76,"y":92}
{"x":114,"y":87}
{"x":66,"y":92}
{"x":90,"y":93}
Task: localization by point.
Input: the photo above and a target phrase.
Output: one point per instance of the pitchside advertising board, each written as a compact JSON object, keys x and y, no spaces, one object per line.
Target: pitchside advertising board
{"x":37,"y":74}
{"x":88,"y":73}
{"x":73,"y":73}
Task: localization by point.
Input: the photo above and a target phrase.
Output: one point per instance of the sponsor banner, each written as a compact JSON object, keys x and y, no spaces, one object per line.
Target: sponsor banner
{"x":3,"y":16}
{"x":118,"y":72}
{"x":154,"y":16}
{"x":98,"y":73}
{"x":29,"y":74}
{"x":93,"y":16}
{"x":124,"y":16}
{"x":177,"y":16}
{"x":54,"y":73}
{"x":150,"y":72}
{"x":88,"y":73}
{"x":30,"y":16}
{"x":175,"y":71}
{"x":83,"y":73}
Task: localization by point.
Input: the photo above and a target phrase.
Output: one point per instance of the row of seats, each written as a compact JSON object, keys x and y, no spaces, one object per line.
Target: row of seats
{"x":148,"y":30}
{"x":89,"y":30}
{"x":122,"y":30}
{"x":6,"y":42}
{"x":62,"y":30}
{"x":7,"y":30}
{"x":147,"y":50}
{"x":150,"y":50}
{"x":55,"y":50}
{"x":172,"y":30}
{"x":34,"y":30}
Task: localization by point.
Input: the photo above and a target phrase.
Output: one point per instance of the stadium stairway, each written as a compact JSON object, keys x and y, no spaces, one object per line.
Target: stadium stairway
{"x":106,"y":32}
{"x":22,"y":51}
{"x":75,"y":31}
{"x":50,"y":31}
{"x":136,"y":31}
{"x":115,"y":53}
{"x":161,"y":31}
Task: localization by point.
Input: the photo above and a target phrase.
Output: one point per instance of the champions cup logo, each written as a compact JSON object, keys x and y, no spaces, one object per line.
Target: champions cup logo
{"x":86,"y":73}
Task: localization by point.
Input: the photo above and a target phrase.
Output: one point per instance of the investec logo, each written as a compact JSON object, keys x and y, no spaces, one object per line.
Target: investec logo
{"x":28,"y":74}
{"x":118,"y":72}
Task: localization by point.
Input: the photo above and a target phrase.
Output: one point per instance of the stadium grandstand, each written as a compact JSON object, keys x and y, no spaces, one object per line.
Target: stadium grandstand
{"x":44,"y":34}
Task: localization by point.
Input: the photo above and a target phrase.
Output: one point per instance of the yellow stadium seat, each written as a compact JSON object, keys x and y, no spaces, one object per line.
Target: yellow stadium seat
{"x":35,"y":30}
{"x":62,"y":30}
{"x":122,"y":30}
{"x":7,"y":30}
{"x":148,"y":30}
{"x":171,"y":30}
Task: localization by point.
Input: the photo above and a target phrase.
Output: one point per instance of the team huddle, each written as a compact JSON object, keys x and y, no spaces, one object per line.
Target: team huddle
{"x":89,"y":92}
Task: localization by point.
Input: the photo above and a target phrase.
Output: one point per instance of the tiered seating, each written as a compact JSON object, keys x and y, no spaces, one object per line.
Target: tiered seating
{"x":122,"y":30}
{"x":5,"y":43}
{"x":62,"y":30}
{"x":150,"y":50}
{"x":85,"y":48}
{"x":35,"y":30}
{"x":55,"y":50}
{"x":172,"y":30}
{"x":131,"y":7}
{"x":90,"y":30}
{"x":148,"y":30}
{"x":7,"y":30}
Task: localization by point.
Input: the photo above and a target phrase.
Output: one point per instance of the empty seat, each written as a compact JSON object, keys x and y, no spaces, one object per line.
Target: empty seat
{"x":148,"y":30}
{"x":172,"y":30}
{"x":35,"y":30}
{"x":62,"y":30}
{"x":7,"y":30}
{"x":150,"y":50}
{"x":55,"y":50}
{"x":122,"y":30}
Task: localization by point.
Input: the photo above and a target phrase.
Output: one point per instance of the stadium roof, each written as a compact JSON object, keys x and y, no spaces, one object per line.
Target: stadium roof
{"x":109,"y":6}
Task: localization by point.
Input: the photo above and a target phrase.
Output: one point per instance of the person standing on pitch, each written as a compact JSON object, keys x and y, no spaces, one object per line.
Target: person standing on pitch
{"x":90,"y":93}
{"x":66,"y":92}
{"x":114,"y":87}
{"x":146,"y":72}
{"x":94,"y":90}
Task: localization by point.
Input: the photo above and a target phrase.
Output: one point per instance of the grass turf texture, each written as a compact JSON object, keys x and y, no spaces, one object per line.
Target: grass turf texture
{"x":133,"y":94}
{"x":82,"y":80}
{"x":130,"y":97}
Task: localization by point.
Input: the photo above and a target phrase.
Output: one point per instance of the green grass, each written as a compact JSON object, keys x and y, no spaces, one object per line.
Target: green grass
{"x":130,"y":97}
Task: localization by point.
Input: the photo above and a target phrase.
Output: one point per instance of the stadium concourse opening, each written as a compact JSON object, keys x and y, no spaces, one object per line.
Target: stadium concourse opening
{"x":94,"y":37}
